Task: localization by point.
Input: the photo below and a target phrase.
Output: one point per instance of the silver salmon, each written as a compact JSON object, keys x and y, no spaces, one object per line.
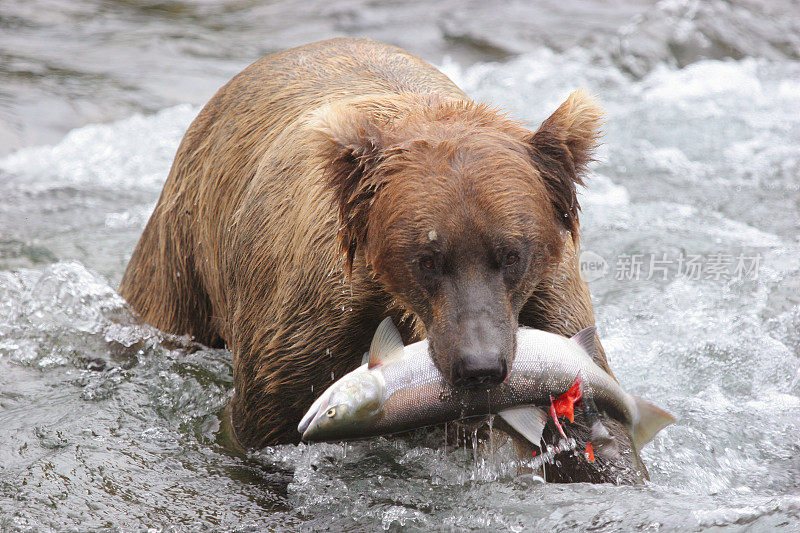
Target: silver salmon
{"x":400,"y":389}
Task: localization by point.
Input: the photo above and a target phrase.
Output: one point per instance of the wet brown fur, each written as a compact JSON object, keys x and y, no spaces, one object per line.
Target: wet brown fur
{"x":303,"y":178}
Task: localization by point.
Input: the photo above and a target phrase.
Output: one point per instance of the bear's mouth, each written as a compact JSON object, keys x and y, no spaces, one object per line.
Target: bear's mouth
{"x":472,"y":365}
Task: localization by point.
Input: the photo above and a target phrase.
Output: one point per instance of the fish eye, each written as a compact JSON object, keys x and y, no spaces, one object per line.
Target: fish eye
{"x":331,"y":412}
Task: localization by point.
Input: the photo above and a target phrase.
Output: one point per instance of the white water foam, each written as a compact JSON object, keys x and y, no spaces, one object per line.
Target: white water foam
{"x":133,"y":153}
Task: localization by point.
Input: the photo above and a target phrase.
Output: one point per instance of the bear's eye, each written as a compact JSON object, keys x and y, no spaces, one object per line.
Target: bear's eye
{"x":427,"y":263}
{"x":511,"y":258}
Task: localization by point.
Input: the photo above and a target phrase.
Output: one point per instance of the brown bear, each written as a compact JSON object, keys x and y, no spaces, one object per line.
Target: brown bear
{"x":331,"y":185}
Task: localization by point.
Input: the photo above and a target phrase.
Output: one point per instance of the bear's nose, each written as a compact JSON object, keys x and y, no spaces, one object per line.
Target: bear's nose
{"x":479,"y":370}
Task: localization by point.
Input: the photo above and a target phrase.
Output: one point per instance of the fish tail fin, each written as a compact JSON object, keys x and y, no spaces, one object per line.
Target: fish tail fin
{"x":652,"y":419}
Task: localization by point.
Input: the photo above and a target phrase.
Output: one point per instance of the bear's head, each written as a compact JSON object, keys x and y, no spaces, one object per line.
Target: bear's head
{"x":460,"y":213}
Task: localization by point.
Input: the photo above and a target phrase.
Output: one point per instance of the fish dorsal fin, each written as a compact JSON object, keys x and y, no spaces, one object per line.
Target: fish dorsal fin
{"x":585,"y":339}
{"x":527,"y":421}
{"x":387,"y":344}
{"x":652,"y":419}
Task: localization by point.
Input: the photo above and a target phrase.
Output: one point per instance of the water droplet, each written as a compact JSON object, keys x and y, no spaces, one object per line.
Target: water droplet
{"x":491,"y":435}
{"x":475,"y":449}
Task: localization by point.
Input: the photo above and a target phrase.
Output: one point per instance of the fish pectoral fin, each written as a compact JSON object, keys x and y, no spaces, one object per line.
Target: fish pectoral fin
{"x":527,"y":421}
{"x":387,"y":344}
{"x":585,"y":339}
{"x":652,"y":419}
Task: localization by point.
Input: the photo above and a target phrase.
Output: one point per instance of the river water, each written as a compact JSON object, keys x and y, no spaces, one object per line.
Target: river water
{"x":691,"y":228}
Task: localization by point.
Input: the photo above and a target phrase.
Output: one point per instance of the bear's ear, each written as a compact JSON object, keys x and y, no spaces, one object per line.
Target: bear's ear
{"x":561,"y":149}
{"x":351,"y":148}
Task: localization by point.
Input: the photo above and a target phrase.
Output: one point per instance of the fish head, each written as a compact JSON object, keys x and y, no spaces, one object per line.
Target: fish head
{"x":346,"y":408}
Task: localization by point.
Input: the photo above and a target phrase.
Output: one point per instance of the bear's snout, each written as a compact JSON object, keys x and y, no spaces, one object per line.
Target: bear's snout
{"x":474,"y":352}
{"x":476,"y":369}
